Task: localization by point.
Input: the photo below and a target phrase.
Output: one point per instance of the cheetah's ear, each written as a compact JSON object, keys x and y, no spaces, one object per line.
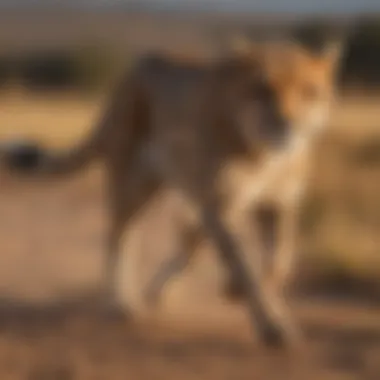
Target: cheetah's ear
{"x":332,"y":52}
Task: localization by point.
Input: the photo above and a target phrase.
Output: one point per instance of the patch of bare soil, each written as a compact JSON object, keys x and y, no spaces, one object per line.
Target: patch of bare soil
{"x":65,"y":345}
{"x":51,"y":239}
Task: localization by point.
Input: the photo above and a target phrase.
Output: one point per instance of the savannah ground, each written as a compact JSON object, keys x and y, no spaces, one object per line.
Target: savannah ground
{"x":52,"y":239}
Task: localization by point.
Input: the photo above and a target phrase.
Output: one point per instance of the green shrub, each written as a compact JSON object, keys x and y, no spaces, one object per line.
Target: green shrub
{"x":84,"y":69}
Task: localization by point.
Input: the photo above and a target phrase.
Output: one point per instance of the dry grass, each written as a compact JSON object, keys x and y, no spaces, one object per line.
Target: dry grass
{"x":56,"y":121}
{"x":60,"y":119}
{"x":51,"y":242}
{"x":339,"y":240}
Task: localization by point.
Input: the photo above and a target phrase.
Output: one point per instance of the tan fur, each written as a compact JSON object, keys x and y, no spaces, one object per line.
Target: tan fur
{"x":207,"y":129}
{"x":272,"y":189}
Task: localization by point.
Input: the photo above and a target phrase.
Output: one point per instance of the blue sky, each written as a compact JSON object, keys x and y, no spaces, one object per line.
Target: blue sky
{"x":324,"y":6}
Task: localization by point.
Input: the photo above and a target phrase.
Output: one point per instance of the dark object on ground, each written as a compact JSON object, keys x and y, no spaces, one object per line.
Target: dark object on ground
{"x":21,"y":155}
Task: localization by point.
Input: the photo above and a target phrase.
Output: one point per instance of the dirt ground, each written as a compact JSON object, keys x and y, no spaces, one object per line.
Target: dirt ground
{"x":51,"y":239}
{"x":51,"y":244}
